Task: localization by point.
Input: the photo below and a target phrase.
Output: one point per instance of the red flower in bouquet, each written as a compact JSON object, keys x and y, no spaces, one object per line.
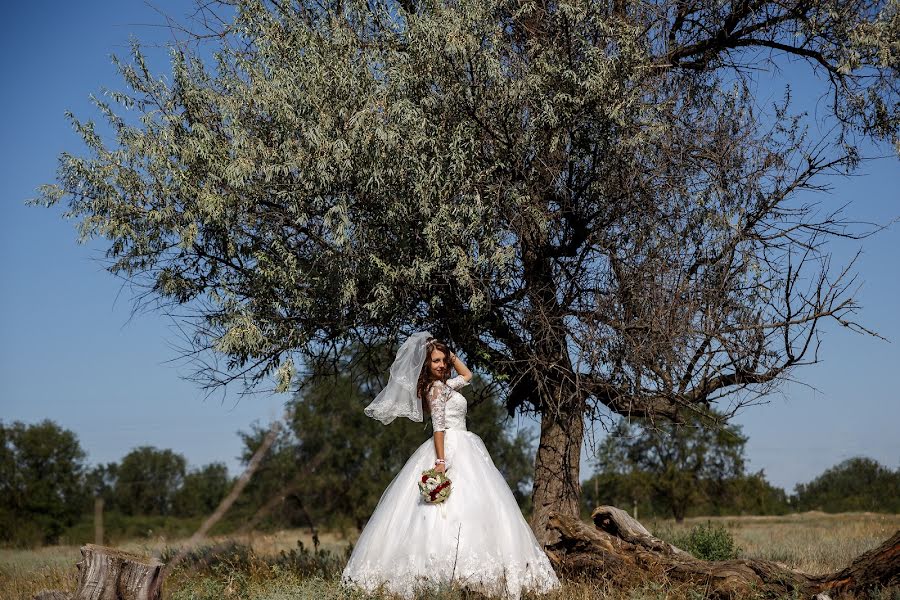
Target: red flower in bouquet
{"x":434,"y":486}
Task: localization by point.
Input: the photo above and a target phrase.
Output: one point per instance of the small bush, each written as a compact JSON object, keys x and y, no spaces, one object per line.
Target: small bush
{"x":708,"y":542}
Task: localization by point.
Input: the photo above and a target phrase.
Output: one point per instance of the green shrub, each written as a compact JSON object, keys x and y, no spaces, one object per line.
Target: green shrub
{"x":708,"y":542}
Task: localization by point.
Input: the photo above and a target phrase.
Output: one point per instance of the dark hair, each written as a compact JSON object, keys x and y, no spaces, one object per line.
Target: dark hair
{"x":425,"y":376}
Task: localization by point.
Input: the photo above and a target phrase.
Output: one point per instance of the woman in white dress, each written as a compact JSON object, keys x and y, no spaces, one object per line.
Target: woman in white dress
{"x":477,"y":538}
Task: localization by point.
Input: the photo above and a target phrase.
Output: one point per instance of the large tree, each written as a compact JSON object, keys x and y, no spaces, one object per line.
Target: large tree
{"x":585,"y":197}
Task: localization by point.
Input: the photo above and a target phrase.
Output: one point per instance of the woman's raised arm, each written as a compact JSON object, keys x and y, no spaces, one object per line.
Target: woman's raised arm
{"x":462,"y":369}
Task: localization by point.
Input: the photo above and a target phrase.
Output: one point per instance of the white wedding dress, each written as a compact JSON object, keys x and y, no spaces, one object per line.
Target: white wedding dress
{"x":477,"y":538}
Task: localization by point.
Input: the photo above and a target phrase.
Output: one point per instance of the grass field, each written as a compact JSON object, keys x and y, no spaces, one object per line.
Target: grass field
{"x":810,"y":542}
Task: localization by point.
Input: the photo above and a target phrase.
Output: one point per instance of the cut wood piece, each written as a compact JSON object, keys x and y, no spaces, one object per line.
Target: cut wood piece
{"x":620,"y":548}
{"x":111,"y":574}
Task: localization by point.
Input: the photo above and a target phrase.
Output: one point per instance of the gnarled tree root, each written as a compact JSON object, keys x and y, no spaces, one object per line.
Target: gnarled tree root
{"x":619,"y":547}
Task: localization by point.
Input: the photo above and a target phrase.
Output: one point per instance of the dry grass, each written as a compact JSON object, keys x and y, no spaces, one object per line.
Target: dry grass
{"x":269,"y":544}
{"x":810,"y":542}
{"x":25,"y":572}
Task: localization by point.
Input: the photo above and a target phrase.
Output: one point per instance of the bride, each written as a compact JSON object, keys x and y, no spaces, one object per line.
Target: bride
{"x":477,"y":538}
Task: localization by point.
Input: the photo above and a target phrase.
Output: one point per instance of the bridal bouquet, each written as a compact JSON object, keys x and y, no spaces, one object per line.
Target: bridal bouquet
{"x":434,"y":486}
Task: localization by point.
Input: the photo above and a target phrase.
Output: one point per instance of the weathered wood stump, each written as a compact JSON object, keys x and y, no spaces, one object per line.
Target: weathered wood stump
{"x":618,"y":547}
{"x":111,"y":574}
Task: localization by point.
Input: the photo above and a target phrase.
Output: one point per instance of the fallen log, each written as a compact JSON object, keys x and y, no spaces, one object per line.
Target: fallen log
{"x":619,"y":547}
{"x":112,"y":574}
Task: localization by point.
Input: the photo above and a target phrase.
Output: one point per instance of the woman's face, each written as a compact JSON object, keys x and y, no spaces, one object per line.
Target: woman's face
{"x":438,"y":364}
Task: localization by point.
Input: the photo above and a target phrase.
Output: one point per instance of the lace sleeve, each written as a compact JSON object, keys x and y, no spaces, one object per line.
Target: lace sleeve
{"x":457,"y":382}
{"x":437,"y":400}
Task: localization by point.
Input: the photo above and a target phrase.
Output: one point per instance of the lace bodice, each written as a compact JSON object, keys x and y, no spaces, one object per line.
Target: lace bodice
{"x":448,"y":406}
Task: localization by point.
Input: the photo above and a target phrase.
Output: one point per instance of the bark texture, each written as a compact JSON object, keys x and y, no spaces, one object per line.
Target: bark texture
{"x":111,"y":574}
{"x":618,"y":547}
{"x":556,"y":489}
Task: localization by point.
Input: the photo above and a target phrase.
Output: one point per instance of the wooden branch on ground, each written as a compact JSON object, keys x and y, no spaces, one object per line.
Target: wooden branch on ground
{"x":619,"y":547}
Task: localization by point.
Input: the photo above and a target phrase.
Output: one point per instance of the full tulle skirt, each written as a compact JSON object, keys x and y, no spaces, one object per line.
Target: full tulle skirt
{"x":476,"y":539}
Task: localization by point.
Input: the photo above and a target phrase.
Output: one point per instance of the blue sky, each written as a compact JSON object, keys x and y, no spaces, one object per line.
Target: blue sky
{"x":73,"y":352}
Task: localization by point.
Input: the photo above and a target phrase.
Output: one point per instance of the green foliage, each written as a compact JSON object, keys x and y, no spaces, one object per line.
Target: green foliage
{"x":202,"y":490}
{"x":100,"y":481}
{"x":41,"y":493}
{"x":118,"y":527}
{"x":856,"y":484}
{"x":148,"y":480}
{"x":708,"y":542}
{"x":746,"y":494}
{"x":359,"y":455}
{"x":623,"y":490}
{"x":696,"y":467}
{"x":277,"y":470}
{"x":47,"y":492}
{"x":750,"y":494}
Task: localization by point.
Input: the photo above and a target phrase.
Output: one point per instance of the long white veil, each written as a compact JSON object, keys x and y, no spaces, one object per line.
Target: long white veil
{"x":398,"y":398}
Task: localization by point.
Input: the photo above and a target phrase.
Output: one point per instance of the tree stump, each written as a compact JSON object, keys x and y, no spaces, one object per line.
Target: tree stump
{"x":111,"y":574}
{"x":620,"y":548}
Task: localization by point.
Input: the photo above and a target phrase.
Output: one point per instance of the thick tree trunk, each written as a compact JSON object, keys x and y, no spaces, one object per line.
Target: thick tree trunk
{"x":556,"y":473}
{"x":618,"y":547}
{"x":111,"y":574}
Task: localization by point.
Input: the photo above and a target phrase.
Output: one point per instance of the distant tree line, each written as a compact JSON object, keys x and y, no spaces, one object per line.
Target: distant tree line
{"x":698,"y":468}
{"x":150,"y":481}
{"x":856,"y":484}
{"x":46,"y":486}
{"x":330,"y":463}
